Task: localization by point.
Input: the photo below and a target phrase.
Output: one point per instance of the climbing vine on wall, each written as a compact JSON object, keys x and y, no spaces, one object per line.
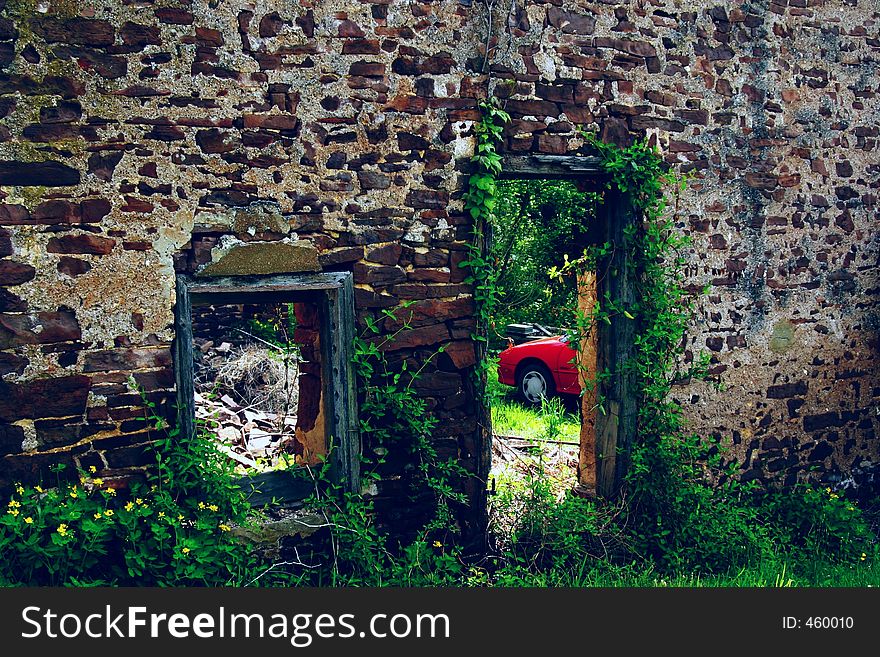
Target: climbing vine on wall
{"x":480,"y":202}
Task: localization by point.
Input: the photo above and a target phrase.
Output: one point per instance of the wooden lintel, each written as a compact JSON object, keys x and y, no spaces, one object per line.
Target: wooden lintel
{"x":552,"y":166}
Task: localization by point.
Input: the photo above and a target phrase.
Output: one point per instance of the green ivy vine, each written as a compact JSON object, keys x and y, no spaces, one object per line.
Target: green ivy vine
{"x":480,"y":202}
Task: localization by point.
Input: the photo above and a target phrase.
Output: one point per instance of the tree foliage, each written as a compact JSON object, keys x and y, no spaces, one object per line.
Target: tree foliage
{"x":537,"y":223}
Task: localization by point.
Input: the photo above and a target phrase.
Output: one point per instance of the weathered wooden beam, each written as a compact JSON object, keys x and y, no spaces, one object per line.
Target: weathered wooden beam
{"x":616,"y":421}
{"x":552,"y":167}
{"x":587,"y":355}
{"x":182,"y":350}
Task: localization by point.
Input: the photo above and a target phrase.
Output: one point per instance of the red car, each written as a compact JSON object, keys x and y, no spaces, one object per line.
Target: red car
{"x":540,"y":369}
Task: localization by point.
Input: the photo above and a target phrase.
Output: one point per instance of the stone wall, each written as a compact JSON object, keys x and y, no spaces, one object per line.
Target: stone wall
{"x":143,"y":138}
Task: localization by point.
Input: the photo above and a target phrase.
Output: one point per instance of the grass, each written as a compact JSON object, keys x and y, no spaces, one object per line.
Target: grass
{"x":560,"y":422}
{"x":511,"y":418}
{"x":640,"y":575}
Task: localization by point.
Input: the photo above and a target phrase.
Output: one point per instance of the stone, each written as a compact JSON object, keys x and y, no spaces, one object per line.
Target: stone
{"x":172,"y":16}
{"x":63,"y":112}
{"x":417,"y":337}
{"x":430,"y":311}
{"x":127,"y":359}
{"x":783,"y":337}
{"x":632,"y":47}
{"x":263,"y":258}
{"x":39,"y":328}
{"x":270,"y":25}
{"x":378,"y":275}
{"x":9,"y":302}
{"x":570,"y":22}
{"x":373,"y":180}
{"x":73,"y":266}
{"x":388,"y":254}
{"x":85,"y":243}
{"x":461,"y":353}
{"x":15,"y":273}
{"x":12,"y":364}
{"x":52,"y":397}
{"x":11,"y":437}
{"x":102,"y":165}
{"x":79,"y":31}
{"x":43,"y":174}
{"x":93,"y":210}
{"x":787,"y":390}
{"x":427,"y":199}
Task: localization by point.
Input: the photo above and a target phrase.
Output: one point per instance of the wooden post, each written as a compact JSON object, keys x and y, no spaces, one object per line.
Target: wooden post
{"x":587,"y":355}
{"x":616,"y":420}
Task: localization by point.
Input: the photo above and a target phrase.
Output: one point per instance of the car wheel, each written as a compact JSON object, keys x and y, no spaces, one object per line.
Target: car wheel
{"x":535,"y":383}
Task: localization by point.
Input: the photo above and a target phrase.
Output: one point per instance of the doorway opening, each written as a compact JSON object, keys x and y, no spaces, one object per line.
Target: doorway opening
{"x":541,"y":227}
{"x":609,"y":400}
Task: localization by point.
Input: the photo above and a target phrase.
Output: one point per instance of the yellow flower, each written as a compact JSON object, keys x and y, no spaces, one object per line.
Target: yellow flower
{"x":93,"y":469}
{"x":29,"y":521}
{"x":224,"y":527}
{"x":74,"y":494}
{"x":108,"y":512}
{"x":39,"y":489}
{"x":161,"y":514}
{"x":185,"y":550}
{"x":19,"y":489}
{"x":129,"y":506}
{"x":180,"y":516}
{"x":201,"y":505}
{"x":13,"y":504}
{"x":110,"y":491}
{"x":138,"y":501}
{"x":438,"y":544}
{"x":97,"y":481}
{"x":62,"y":529}
{"x":98,"y":516}
{"x":13,"y":512}
{"x":214,"y":507}
{"x":864,"y":556}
